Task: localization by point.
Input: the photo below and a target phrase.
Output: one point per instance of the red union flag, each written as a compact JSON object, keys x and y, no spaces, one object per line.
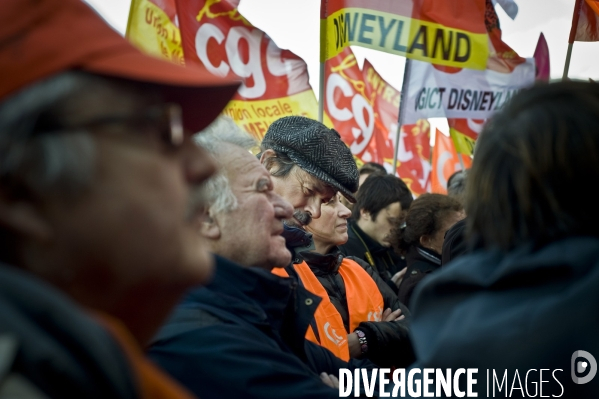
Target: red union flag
{"x":450,"y":33}
{"x":413,"y":156}
{"x":464,"y":133}
{"x":348,"y":106}
{"x":585,"y":22}
{"x":275,"y":82}
{"x":445,"y":162}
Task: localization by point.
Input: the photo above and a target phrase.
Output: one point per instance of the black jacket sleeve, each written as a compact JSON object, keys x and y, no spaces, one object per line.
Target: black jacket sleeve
{"x":226,"y":361}
{"x":389,"y":343}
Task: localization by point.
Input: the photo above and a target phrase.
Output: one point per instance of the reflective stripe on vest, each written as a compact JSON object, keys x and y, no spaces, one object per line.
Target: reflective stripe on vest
{"x":364,"y":302}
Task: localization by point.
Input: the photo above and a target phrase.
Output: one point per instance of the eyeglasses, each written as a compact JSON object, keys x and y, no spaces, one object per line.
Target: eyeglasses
{"x":166,"y":119}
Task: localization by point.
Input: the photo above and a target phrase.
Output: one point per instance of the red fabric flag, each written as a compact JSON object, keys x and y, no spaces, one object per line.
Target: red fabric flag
{"x":585,"y":21}
{"x":445,"y":162}
{"x":275,"y":81}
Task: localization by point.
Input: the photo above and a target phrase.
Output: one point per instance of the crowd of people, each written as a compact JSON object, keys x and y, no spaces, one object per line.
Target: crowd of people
{"x":153,"y":249}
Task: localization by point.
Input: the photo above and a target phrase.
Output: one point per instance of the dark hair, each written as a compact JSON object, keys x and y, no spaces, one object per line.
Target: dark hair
{"x":534,"y":166}
{"x":372,"y":167}
{"x":279,"y":165}
{"x":378,"y":192}
{"x":425,"y":217}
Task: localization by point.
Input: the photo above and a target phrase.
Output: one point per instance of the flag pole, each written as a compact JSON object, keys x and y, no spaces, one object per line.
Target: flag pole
{"x":400,"y":118}
{"x":321,"y":93}
{"x":573,"y":29}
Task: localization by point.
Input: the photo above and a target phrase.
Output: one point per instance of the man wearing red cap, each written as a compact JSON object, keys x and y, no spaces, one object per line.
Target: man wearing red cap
{"x":97,"y":183}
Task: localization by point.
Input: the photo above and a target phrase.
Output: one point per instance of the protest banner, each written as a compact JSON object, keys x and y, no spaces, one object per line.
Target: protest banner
{"x":275,"y":81}
{"x":448,"y":33}
{"x":152,"y":27}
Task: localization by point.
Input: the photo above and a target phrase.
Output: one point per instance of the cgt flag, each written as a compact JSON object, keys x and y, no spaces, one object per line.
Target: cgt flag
{"x":152,"y":27}
{"x":445,"y":162}
{"x":450,"y":33}
{"x":275,"y":81}
{"x":464,"y":133}
{"x":413,"y":164}
{"x":363,"y":108}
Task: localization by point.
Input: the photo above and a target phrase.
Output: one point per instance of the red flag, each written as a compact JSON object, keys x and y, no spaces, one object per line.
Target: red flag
{"x":275,"y":81}
{"x":541,"y":57}
{"x":585,"y":22}
{"x":445,"y":162}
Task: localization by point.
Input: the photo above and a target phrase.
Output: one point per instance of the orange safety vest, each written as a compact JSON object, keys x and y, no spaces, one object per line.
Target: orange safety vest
{"x":364,"y":302}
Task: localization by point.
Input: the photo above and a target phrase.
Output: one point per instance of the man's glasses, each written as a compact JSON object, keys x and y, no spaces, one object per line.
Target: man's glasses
{"x":165,"y":119}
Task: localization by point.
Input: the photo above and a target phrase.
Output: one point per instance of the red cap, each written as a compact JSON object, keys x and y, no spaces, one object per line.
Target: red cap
{"x":39,"y":38}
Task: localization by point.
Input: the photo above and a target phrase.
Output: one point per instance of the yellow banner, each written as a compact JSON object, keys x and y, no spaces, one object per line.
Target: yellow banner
{"x":463,"y":144}
{"x":152,"y":31}
{"x":256,"y":116}
{"x":397,"y":34}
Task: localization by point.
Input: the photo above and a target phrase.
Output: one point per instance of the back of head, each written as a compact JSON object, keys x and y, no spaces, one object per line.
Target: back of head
{"x":372,"y":167}
{"x":456,"y":184}
{"x":533,"y":166}
{"x":379,"y":191}
{"x":425,"y":217}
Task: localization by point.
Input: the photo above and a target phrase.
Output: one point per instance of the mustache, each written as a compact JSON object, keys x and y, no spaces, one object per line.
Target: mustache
{"x":302,"y":217}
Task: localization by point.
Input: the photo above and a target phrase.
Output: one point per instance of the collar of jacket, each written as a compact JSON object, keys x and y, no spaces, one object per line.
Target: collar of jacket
{"x":258,"y":296}
{"x":323,"y":264}
{"x":418,"y":253}
{"x":373,"y":246}
{"x":297,"y":240}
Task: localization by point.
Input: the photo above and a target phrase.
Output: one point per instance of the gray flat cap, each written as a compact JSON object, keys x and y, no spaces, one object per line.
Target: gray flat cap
{"x":316,"y":149}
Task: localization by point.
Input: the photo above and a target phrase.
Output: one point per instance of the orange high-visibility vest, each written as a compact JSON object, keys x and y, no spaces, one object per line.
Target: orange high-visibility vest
{"x":364,"y":302}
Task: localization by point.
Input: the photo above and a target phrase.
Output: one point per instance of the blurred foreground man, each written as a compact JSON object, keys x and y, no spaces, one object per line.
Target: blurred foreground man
{"x":243,"y":334}
{"x":96,"y":177}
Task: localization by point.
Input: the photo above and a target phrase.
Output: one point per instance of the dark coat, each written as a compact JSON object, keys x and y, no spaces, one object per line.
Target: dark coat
{"x":528,"y":309}
{"x":243,"y":336}
{"x":388,"y":342}
{"x":421,"y":262}
{"x":385,"y":261}
{"x":59,"y":349}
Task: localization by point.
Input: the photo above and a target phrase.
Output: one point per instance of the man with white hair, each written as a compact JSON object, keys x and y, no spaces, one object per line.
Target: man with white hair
{"x":244,"y":332}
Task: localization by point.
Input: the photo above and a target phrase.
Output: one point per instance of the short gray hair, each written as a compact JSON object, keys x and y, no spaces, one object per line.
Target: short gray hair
{"x":60,"y":163}
{"x":217,"y":190}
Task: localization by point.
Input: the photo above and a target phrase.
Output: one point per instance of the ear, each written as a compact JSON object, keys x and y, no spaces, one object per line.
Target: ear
{"x":425,"y":241}
{"x":266,"y":154}
{"x":364,"y":214}
{"x":24,"y":219}
{"x":209,"y":227}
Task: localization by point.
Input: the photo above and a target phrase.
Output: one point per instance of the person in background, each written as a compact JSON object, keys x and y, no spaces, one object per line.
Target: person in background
{"x":364,"y":171}
{"x":420,"y":235}
{"x":97,"y":172}
{"x":380,"y":203}
{"x":369,"y":168}
{"x":360,"y":315}
{"x":527,"y":300}
{"x":456,"y":184}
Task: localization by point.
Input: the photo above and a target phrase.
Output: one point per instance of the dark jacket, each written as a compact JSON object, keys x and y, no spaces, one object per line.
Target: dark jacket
{"x":385,"y":261}
{"x":58,"y":349}
{"x":421,"y":262}
{"x":528,"y":309}
{"x":242,"y":336}
{"x":388,"y":342}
